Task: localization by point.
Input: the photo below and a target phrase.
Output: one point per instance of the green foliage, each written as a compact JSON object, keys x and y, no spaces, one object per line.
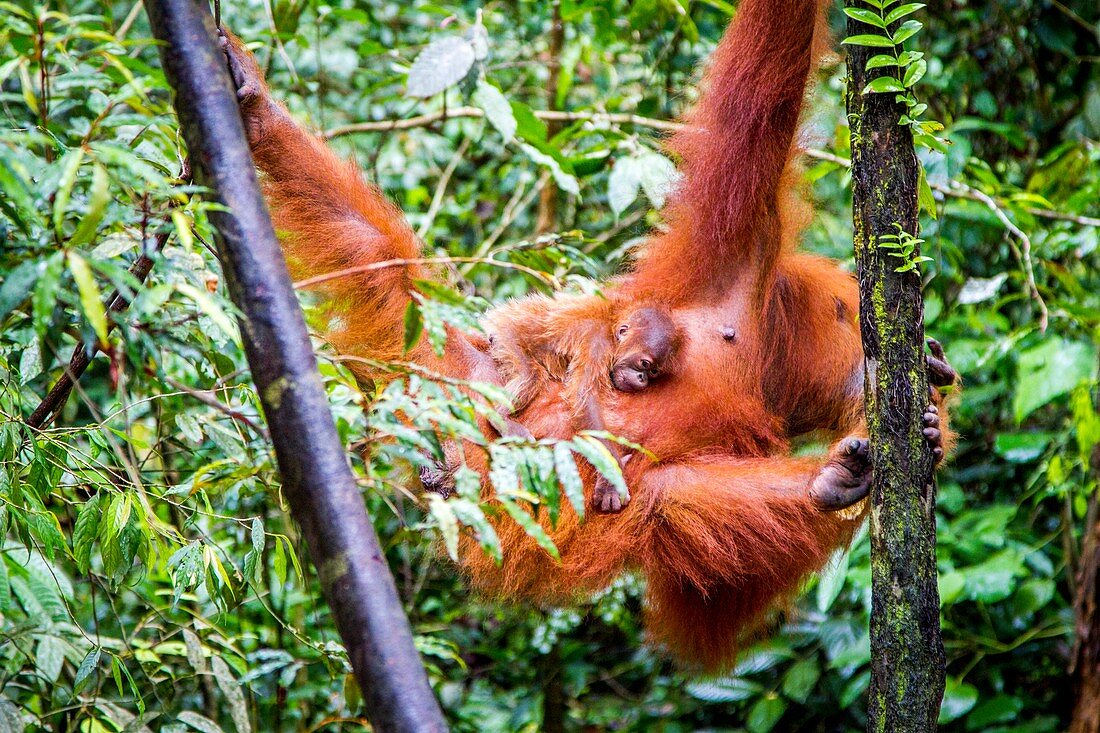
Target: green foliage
{"x":149,"y":575}
{"x":905,"y":247}
{"x":902,"y":69}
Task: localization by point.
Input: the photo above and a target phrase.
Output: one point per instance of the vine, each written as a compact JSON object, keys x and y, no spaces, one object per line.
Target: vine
{"x":909,"y":67}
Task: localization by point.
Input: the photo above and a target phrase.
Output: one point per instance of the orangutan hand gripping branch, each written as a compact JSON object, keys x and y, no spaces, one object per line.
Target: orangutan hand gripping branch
{"x":726,"y":523}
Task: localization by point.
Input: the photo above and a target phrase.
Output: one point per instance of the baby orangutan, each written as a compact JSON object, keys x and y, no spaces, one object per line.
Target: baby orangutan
{"x":586,"y":343}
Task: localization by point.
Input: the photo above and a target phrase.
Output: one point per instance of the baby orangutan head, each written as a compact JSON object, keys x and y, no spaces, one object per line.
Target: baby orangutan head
{"x":645,"y":344}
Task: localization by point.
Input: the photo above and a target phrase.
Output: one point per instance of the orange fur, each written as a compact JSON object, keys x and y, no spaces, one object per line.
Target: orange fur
{"x":538,"y":339}
{"x":723,"y":526}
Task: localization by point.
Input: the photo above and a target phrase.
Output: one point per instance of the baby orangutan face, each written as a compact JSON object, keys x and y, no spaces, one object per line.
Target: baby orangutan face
{"x":645,"y":344}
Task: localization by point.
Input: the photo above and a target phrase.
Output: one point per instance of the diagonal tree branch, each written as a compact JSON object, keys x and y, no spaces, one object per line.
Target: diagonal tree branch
{"x":317,"y":480}
{"x":116,"y":302}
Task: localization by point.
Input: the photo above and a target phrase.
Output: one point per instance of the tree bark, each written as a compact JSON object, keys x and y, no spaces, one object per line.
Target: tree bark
{"x":907,"y":656}
{"x":1086,"y":653}
{"x":547,"y":220}
{"x":316,"y":477}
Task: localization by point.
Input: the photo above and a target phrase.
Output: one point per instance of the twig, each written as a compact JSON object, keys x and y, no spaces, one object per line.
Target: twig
{"x":1024,"y":253}
{"x":359,"y":269}
{"x":425,"y":120}
{"x":520,"y":200}
{"x":1089,"y":27}
{"x":206,"y":396}
{"x":128,"y":21}
{"x":441,"y":189}
{"x":958,"y":190}
{"x":116,"y":302}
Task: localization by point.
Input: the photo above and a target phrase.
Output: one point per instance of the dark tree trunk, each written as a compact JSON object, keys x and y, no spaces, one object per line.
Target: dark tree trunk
{"x":907,"y":657}
{"x":547,"y":220}
{"x":316,"y":477}
{"x":1086,"y":607}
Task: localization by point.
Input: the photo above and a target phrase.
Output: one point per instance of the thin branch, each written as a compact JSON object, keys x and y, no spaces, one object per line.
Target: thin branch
{"x":206,"y":396}
{"x":441,"y":189}
{"x":82,"y":355}
{"x":957,"y":190}
{"x":359,"y":269}
{"x":518,"y":203}
{"x":1024,"y":253}
{"x":426,"y":120}
{"x":1087,"y":26}
{"x":128,"y":21}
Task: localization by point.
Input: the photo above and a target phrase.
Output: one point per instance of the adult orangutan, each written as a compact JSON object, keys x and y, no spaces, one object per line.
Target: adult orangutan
{"x":726,"y":524}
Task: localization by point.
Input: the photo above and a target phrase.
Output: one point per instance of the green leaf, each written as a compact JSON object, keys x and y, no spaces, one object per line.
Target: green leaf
{"x":528,"y":126}
{"x":414,"y":324}
{"x":84,"y":672}
{"x":442,"y":64}
{"x":869,"y":40}
{"x":530,"y":526}
{"x":901,"y":11}
{"x":91,"y":300}
{"x":17,"y":200}
{"x":863,"y":15}
{"x":193,"y":646}
{"x":623,"y":184}
{"x":470,"y":514}
{"x":831,"y":580}
{"x":5,"y":584}
{"x":881,"y":60}
{"x":565,"y":180}
{"x":279,"y":561}
{"x":765,"y":714}
{"x":98,"y":199}
{"x":1050,"y":370}
{"x":997,"y":709}
{"x":931,"y":142}
{"x":657,"y":175}
{"x":925,"y":198}
{"x":995,"y":579}
{"x":907,"y":57}
{"x":883,"y":84}
{"x":1032,"y":595}
{"x":725,"y":689}
{"x":801,"y":679}
{"x":49,"y":657}
{"x":497,"y":109}
{"x":601,"y":459}
{"x":207,"y":305}
{"x":914,"y":73}
{"x":44,"y":298}
{"x":18,"y":283}
{"x":234,"y":696}
{"x":951,"y":587}
{"x":566,"y":468}
{"x":439,"y":508}
{"x":252,"y":557}
{"x":958,"y":698}
{"x":199,"y":722}
{"x":854,"y":689}
{"x":70,"y":164}
{"x":1021,"y":447}
{"x":907,"y":30}
{"x":85,"y":532}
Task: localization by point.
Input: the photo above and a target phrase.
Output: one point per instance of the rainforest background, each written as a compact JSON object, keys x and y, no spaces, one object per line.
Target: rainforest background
{"x":149,"y":575}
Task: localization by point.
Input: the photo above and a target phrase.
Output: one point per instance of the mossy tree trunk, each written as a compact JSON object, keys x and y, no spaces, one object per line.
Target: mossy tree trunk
{"x":907,"y":657}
